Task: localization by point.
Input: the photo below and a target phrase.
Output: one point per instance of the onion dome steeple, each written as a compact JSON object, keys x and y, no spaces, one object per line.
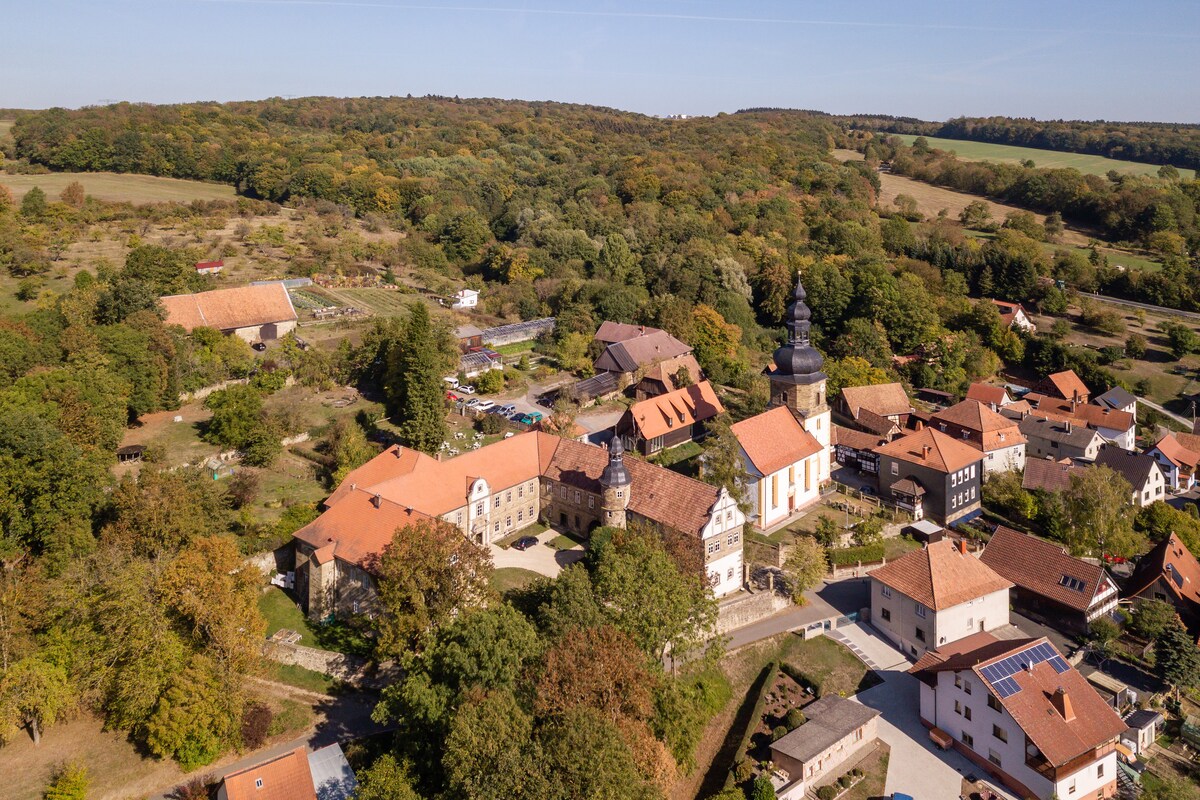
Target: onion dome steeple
{"x":798,"y":361}
{"x":615,"y":475}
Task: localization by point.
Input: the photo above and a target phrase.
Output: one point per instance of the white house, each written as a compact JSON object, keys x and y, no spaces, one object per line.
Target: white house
{"x":932,"y":597}
{"x":1178,"y":456}
{"x":464,"y":298}
{"x":1118,"y":399}
{"x":1014,"y":316}
{"x":835,"y":731}
{"x":1141,"y":470}
{"x":785,"y":463}
{"x":1022,"y":714}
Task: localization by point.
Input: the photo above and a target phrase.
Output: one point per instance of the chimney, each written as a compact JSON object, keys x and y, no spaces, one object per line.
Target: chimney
{"x":398,"y":451}
{"x":376,"y":500}
{"x":962,"y":546}
{"x":925,"y":451}
{"x":353,"y":486}
{"x":920,"y":426}
{"x":1062,"y":704}
{"x":1074,"y":397}
{"x":1067,"y":426}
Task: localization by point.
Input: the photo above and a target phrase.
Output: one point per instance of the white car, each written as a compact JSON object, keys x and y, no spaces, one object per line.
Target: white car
{"x":473,"y":402}
{"x":484,"y":405}
{"x":467,"y":389}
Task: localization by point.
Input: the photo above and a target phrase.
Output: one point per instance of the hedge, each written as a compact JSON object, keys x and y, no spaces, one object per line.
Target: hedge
{"x":850,"y":556}
{"x":764,"y":684}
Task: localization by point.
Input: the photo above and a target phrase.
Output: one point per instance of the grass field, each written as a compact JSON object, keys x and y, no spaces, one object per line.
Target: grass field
{"x":281,"y":612}
{"x":384,"y":302}
{"x":1088,"y":164}
{"x":508,"y":578}
{"x":120,"y":188}
{"x":1117,"y":257}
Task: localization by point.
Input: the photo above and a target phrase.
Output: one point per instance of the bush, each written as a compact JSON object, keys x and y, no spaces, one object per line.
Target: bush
{"x":850,"y":556}
{"x":256,"y":721}
{"x":491,"y":424}
{"x":195,"y":789}
{"x":490,"y":382}
{"x":70,"y":782}
{"x":779,"y":732}
{"x":763,"y":789}
{"x":794,"y":719}
{"x":743,"y":770}
{"x":845,"y":781}
{"x":827,"y":793}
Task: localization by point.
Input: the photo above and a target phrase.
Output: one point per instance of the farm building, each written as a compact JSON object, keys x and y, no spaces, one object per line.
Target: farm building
{"x":209,"y":267}
{"x":464,"y":298}
{"x":252,"y":313}
{"x":479,"y":362}
{"x":468,"y":336}
{"x":517,"y":332}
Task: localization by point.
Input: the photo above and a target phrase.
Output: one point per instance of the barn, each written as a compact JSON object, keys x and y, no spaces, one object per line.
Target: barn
{"x":253,"y":313}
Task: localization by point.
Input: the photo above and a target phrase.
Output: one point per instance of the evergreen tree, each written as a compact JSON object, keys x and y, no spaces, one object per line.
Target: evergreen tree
{"x":414,"y":383}
{"x":1177,"y":658}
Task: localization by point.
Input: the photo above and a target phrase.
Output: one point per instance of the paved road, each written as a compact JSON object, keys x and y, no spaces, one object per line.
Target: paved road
{"x":1184,"y":421}
{"x":541,"y":558}
{"x":1146,"y":306}
{"x":830,"y":600}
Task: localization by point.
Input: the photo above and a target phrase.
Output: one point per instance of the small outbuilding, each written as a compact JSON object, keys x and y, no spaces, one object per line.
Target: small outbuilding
{"x":130,"y":453}
{"x":924,"y":531}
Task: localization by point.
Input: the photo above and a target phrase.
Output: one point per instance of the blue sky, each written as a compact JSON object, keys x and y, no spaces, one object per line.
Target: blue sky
{"x":928,"y":58}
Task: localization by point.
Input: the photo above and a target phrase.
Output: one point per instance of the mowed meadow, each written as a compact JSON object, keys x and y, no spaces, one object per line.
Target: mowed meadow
{"x":1088,"y":164}
{"x":119,"y":188}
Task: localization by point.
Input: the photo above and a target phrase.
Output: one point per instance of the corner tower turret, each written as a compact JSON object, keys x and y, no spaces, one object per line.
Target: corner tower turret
{"x":615,"y":485}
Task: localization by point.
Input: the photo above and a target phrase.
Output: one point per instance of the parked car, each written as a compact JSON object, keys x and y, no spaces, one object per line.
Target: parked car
{"x":508,"y":409}
{"x":485,"y":405}
{"x":452,"y":397}
{"x":525,"y":542}
{"x":467,"y":389}
{"x":528,"y":419}
{"x":452,"y":382}
{"x":473,"y":402}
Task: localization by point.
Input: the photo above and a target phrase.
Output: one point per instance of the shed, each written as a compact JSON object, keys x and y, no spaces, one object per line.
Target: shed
{"x":130,"y":452}
{"x":924,"y":531}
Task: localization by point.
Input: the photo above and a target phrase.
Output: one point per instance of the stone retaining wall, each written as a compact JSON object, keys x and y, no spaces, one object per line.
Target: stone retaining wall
{"x":747,"y":608}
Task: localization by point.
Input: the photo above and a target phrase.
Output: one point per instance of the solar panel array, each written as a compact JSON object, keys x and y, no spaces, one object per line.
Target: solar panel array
{"x":999,"y":674}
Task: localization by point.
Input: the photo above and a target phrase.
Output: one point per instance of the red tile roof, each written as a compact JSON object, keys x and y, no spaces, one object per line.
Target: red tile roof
{"x":1175,"y":452}
{"x":1065,"y":385}
{"x":941,"y":576}
{"x":1089,"y":724}
{"x":994,"y":430}
{"x":610,"y":332}
{"x":986,"y":393}
{"x":1174,"y":563}
{"x":774,"y":440}
{"x":933,"y":449}
{"x":357,"y":527}
{"x":660,"y":415}
{"x":285,"y":777}
{"x":1049,"y":476}
{"x":227,"y":309}
{"x":858,"y":440}
{"x":885,"y":399}
{"x":1080,"y":413}
{"x":1043,"y":568}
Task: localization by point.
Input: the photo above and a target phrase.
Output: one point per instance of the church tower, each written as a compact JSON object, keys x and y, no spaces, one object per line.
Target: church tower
{"x":797,"y":382}
{"x":615,"y":485}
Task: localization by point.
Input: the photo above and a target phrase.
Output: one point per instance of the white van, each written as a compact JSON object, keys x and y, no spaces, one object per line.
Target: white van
{"x":451,"y":382}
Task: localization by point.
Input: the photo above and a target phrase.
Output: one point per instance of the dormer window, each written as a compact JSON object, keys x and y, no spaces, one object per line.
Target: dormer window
{"x":258,"y":783}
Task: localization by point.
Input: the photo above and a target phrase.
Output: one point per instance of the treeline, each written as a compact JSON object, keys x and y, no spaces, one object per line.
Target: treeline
{"x":1159,"y":214}
{"x":1145,"y":142}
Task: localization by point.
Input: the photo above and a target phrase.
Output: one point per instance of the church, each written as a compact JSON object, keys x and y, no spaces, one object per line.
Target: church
{"x":786,"y":449}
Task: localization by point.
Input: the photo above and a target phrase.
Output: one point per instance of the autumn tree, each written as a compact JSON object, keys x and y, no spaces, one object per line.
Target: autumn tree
{"x":73,"y":194}
{"x":806,"y":565}
{"x":428,"y":574}
{"x":852,"y":371}
{"x":598,"y":668}
{"x":70,"y":779}
{"x":1099,"y":516}
{"x":34,"y":693}
{"x":162,"y":511}
{"x":715,"y":340}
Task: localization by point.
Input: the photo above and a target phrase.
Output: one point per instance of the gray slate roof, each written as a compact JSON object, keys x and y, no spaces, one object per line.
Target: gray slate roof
{"x":1116,"y":397}
{"x":1078,"y":436}
{"x":830,"y":720}
{"x":1135,"y":467}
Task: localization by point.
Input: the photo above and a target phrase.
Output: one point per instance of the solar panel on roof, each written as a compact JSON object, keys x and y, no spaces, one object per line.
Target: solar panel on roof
{"x":1006,"y":687}
{"x":1060,"y":665}
{"x":1177,"y":577}
{"x":999,"y":674}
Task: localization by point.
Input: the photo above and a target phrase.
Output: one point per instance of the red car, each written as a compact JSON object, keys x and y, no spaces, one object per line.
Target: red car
{"x":452,"y":397}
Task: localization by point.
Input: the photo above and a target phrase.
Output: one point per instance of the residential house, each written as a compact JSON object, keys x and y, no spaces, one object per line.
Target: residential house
{"x":1117,"y":427}
{"x":931,"y":475}
{"x":1048,"y":438}
{"x":786,"y":466}
{"x":1169,"y":572}
{"x":496,"y":491}
{"x":1015,"y":316}
{"x":883,"y":408}
{"x":834,"y":732}
{"x":611,"y":332}
{"x":468,"y":337}
{"x":994,"y":397}
{"x":464,"y":298}
{"x":668,"y":420}
{"x":1177,"y":460}
{"x":1023,"y":715}
{"x":1118,"y":399}
{"x":1141,"y":470}
{"x":635,"y":357}
{"x":997,"y":437}
{"x":939,"y":594}
{"x":1046,"y":475}
{"x":667,"y":376}
{"x":252,"y":313}
{"x":209,"y":267}
{"x":1048,"y":583}
{"x":294,"y":775}
{"x":1064,"y":385}
{"x":856,"y":449}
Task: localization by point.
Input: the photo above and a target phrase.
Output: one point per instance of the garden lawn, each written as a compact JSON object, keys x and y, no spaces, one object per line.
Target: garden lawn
{"x":280,"y":612}
{"x":506,"y":579}
{"x":564,"y":541}
{"x":301,"y":678}
{"x":837,"y":669}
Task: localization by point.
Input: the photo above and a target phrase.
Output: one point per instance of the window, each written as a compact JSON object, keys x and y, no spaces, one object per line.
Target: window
{"x":497,"y":504}
{"x":531,"y":512}
{"x":994,"y":757}
{"x":1071,"y":788}
{"x":968,"y":739}
{"x":886,"y":591}
{"x":496,"y":527}
{"x":920,"y":635}
{"x":957,"y":680}
{"x":1000,"y":733}
{"x":729,"y":540}
{"x":958,"y":708}
{"x":966,"y":687}
{"x":458,"y":518}
{"x":729,"y":574}
{"x":520,"y":515}
{"x":620,"y":492}
{"x":887,"y":615}
{"x":562,"y":492}
{"x":737,"y":537}
{"x":922,"y":611}
{"x":508,"y":496}
{"x":993,"y":703}
{"x":531,"y":487}
{"x":729,"y":515}
{"x":577,"y":497}
{"x":478,"y":509}
{"x":1100,"y":770}
{"x":508,"y":522}
{"x":895,"y":468}
{"x":591,"y":501}
{"x":970,"y":623}
{"x":258,"y":783}
{"x":521,"y":491}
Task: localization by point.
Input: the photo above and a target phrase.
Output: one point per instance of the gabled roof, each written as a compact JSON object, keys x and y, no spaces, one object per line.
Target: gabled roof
{"x":857,"y":440}
{"x":285,"y":777}
{"x":1191,"y":441}
{"x":885,"y":399}
{"x":828,"y":721}
{"x":358,"y":526}
{"x":995,"y":431}
{"x":940,"y":576}
{"x":642,"y":351}
{"x":1175,"y":564}
{"x":933,"y":449}
{"x":774,"y":440}
{"x":227,"y":309}
{"x":674,"y":410}
{"x":467,"y":331}
{"x":1059,"y":711}
{"x":1174,"y":451}
{"x":664,"y":371}
{"x":1079,"y":436}
{"x":1008,"y":311}
{"x":610,"y":332}
{"x":1116,"y":397}
{"x":986,"y":393}
{"x":1080,"y":413}
{"x":868,"y":420}
{"x":1065,"y":385}
{"x":1049,"y":476}
{"x":1134,"y":467}
{"x":1043,"y":568}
